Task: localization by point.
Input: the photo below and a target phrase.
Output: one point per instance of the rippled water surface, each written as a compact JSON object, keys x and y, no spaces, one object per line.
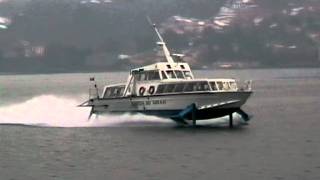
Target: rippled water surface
{"x":43,"y":135}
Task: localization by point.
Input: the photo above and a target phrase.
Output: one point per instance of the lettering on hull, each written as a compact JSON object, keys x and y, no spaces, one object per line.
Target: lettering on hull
{"x":155,"y":102}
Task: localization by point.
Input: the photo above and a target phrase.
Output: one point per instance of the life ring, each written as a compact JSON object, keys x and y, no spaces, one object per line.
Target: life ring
{"x":142,"y":90}
{"x":151,"y":90}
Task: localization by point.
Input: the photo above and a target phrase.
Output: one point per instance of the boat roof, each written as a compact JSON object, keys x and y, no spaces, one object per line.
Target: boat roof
{"x":196,"y":80}
{"x":164,"y":66}
{"x":116,"y":85}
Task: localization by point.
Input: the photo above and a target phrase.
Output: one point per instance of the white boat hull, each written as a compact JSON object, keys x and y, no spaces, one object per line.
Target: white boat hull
{"x":208,"y":104}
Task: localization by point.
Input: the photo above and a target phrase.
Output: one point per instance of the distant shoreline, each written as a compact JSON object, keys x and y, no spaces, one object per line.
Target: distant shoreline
{"x":121,"y":70}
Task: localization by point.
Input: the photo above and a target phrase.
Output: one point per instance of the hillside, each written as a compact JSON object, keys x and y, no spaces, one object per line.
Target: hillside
{"x":95,"y":35}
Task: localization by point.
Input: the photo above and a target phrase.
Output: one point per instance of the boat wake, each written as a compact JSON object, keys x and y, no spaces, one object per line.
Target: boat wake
{"x":56,"y":111}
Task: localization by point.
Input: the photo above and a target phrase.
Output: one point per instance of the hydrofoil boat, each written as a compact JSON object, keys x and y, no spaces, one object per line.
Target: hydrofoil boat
{"x":170,"y":90}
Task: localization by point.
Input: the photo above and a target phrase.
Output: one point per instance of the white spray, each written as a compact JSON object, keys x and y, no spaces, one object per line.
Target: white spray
{"x":59,"y":111}
{"x":54,"y":111}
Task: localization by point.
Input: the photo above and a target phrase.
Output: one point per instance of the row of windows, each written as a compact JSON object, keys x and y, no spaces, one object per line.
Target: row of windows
{"x":154,"y":75}
{"x":118,"y":91}
{"x":147,"y":75}
{"x":195,"y":86}
{"x":183,"y":87}
{"x":176,"y":74}
{"x":114,"y":91}
{"x":223,"y":86}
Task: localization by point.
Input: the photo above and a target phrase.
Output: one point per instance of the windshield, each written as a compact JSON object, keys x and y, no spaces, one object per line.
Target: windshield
{"x":187,"y":74}
{"x":171,"y":74}
{"x":179,"y":74}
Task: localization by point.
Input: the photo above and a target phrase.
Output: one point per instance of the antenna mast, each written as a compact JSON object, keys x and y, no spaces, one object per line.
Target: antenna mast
{"x":161,"y":43}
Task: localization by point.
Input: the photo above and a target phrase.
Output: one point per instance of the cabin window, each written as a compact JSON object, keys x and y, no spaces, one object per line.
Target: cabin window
{"x":114,"y":91}
{"x":187,"y":74}
{"x":182,"y":66}
{"x":179,"y":87}
{"x":117,"y":92}
{"x":142,"y":76}
{"x":171,"y":74}
{"x":168,"y":66}
{"x":179,"y":74}
{"x":152,"y":75}
{"x":147,"y":75}
{"x":121,"y":91}
{"x":233,"y":85}
{"x":107,"y":93}
{"x":190,"y":87}
{"x":156,"y":75}
{"x":203,"y":86}
{"x":136,"y":75}
{"x":169,"y":88}
{"x":226,"y":86}
{"x":164,"y":76}
{"x":213,"y":86}
{"x":220,"y":85}
{"x":160,"y":89}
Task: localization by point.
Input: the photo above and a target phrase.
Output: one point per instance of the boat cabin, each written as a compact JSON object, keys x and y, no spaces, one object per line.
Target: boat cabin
{"x":162,"y":71}
{"x":171,"y":87}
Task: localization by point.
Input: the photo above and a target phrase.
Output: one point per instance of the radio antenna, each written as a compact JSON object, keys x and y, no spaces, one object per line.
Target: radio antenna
{"x":161,"y":43}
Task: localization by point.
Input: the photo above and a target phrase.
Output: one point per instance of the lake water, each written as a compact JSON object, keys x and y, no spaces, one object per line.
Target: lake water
{"x":43,"y":135}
